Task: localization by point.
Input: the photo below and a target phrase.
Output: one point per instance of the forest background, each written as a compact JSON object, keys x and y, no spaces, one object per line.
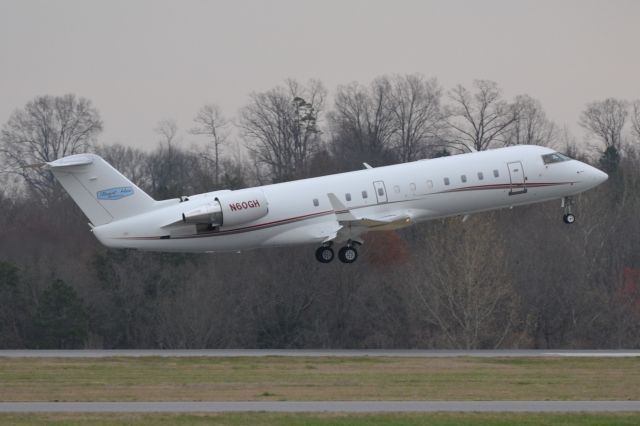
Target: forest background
{"x":516,"y":278}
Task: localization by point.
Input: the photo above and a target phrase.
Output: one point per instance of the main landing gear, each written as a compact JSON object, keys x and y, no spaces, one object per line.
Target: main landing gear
{"x":347,"y":254}
{"x":568,"y":217}
{"x":325,"y":254}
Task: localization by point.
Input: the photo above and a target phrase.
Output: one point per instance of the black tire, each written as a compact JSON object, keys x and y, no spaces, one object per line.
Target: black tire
{"x":569,"y":218}
{"x":348,"y":254}
{"x":324,"y":254}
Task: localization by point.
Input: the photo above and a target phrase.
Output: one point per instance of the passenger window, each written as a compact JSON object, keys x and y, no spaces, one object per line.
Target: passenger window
{"x":463,"y":178}
{"x":380,"y":192}
{"x":364,"y":194}
{"x":446,"y":181}
{"x":496,"y":173}
{"x":347,"y":196}
{"x":397,"y":189}
{"x":413,"y":187}
{"x":480,"y":176}
{"x":429,"y":184}
{"x":315,"y":202}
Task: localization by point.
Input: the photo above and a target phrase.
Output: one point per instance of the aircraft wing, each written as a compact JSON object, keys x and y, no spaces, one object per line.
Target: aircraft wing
{"x":392,"y":221}
{"x":353,"y":225}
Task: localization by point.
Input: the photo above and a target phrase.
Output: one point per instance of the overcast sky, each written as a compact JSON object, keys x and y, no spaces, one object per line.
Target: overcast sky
{"x":142,"y":61}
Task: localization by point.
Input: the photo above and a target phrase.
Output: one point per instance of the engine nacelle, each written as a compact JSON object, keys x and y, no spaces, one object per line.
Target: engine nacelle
{"x":209,"y":213}
{"x":242,"y":206}
{"x":230,"y":209}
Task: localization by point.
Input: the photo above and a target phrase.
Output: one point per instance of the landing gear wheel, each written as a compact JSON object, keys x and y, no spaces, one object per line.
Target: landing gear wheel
{"x":324,"y":254}
{"x":567,"y":203}
{"x":348,"y":254}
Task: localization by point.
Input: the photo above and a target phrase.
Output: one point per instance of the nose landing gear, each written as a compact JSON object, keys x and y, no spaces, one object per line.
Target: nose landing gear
{"x":568,"y":217}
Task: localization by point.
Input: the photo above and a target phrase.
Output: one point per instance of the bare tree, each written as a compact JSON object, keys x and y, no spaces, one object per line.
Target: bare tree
{"x":46,"y":129}
{"x":131,"y":162}
{"x":635,"y":120}
{"x":531,"y":126}
{"x":463,"y":292}
{"x":167,"y":129}
{"x":169,"y":167}
{"x":211,"y":123}
{"x":281,"y":127}
{"x":567,"y":142}
{"x":362,"y":123}
{"x":418,"y":118}
{"x":605,"y":120}
{"x":479,"y":119}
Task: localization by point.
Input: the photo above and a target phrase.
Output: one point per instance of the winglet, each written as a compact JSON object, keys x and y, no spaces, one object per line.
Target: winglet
{"x":367,"y":166}
{"x":341,"y":211}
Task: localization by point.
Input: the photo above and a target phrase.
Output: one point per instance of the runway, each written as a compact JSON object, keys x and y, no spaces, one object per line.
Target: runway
{"x":401,"y":353}
{"x":321,"y":406}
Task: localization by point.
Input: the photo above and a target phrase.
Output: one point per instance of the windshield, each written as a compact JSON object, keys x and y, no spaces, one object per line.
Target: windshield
{"x":554,"y":157}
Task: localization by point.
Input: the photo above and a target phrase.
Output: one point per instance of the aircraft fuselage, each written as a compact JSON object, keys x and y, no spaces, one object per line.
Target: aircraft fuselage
{"x":301,"y":212}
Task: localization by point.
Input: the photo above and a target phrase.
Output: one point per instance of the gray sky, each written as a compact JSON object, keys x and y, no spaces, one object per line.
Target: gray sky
{"x":142,"y":61}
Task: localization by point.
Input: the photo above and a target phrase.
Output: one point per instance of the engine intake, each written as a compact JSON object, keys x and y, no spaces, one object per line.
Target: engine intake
{"x":230,"y":209}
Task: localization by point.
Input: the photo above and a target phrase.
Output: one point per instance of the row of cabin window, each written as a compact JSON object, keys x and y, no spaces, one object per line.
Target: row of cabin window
{"x":412,"y":186}
{"x":347,"y":196}
{"x":463,"y":178}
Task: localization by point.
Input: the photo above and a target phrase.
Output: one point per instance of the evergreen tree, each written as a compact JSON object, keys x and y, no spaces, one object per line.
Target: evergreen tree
{"x":61,"y":321}
{"x":13,"y":315}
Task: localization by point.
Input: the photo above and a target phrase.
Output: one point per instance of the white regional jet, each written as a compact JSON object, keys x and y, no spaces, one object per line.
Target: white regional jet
{"x":327,"y":211}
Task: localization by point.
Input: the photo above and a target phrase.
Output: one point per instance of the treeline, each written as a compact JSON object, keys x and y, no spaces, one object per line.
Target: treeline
{"x":516,"y":278}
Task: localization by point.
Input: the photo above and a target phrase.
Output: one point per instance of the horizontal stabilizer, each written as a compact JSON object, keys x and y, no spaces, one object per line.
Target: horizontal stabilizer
{"x":71,"y":161}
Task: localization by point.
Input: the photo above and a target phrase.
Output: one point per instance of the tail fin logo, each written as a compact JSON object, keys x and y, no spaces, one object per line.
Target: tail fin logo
{"x":115,"y":193}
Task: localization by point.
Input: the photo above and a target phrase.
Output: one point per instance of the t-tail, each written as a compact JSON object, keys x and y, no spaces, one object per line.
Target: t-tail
{"x":102,"y":193}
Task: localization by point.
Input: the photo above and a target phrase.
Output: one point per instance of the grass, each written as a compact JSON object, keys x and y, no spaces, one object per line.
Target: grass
{"x":324,"y":419}
{"x":284,"y":378}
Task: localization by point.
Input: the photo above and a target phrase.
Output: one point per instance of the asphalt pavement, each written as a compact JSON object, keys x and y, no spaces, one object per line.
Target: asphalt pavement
{"x":402,"y":353}
{"x":321,"y":406}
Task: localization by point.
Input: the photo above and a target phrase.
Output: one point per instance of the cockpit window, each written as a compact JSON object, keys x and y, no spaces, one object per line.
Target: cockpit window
{"x":554,"y":157}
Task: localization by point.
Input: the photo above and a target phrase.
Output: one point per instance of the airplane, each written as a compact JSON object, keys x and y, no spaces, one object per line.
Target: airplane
{"x":327,"y":211}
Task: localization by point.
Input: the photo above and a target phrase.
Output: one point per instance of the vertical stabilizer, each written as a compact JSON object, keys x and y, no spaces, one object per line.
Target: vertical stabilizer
{"x":102,"y":193}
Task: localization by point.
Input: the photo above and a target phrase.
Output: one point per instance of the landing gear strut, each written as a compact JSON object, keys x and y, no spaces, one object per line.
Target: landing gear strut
{"x":568,"y":217}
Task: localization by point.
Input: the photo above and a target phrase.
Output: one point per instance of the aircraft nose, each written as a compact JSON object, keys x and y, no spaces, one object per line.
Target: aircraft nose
{"x":597,"y":176}
{"x":590,"y":176}
{"x":601,"y":176}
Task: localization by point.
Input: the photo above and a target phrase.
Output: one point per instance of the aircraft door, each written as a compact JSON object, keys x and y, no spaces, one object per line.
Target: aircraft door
{"x":517,"y":178}
{"x":381,"y":192}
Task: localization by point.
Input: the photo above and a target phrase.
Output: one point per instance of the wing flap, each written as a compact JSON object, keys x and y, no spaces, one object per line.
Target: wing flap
{"x":394,"y":221}
{"x":360,"y":224}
